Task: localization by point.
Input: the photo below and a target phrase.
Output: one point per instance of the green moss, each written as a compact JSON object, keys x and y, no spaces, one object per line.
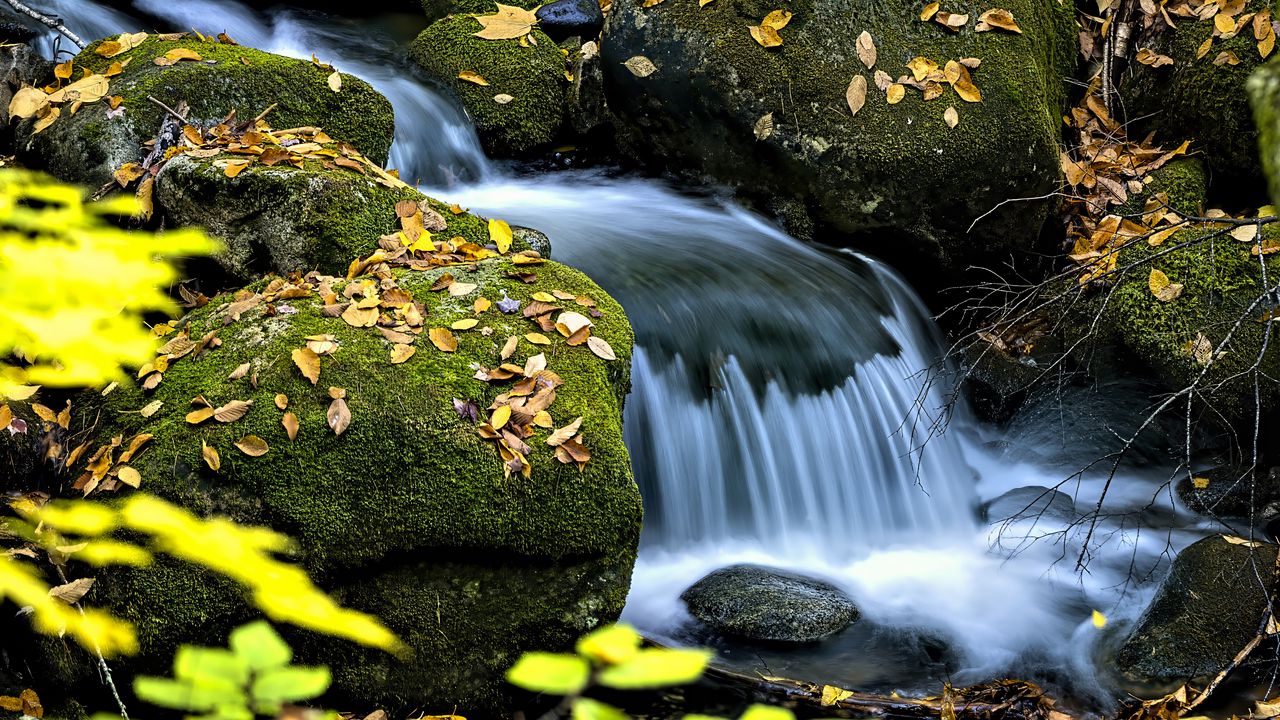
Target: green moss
{"x":1198,"y":100}
{"x":1183,"y":181}
{"x":87,"y":146}
{"x":891,"y":167}
{"x":436,"y":9}
{"x":533,"y":76}
{"x":1264,"y":94}
{"x":407,"y":514}
{"x":1221,"y":280}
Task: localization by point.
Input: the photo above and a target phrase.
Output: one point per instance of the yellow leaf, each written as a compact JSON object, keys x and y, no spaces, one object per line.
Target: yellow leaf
{"x":235,"y":167}
{"x":1224,"y":23}
{"x":195,"y":417}
{"x":1200,"y":483}
{"x":308,"y":363}
{"x":472,"y":77}
{"x":1099,"y":620}
{"x":1237,"y":540}
{"x":777,"y":19}
{"x":832,"y":695}
{"x":640,"y":66}
{"x":765,"y":35}
{"x":545,"y":297}
{"x":929,"y":11}
{"x":481,"y":304}
{"x":443,"y":339}
{"x":129,"y":476}
{"x":951,"y":117}
{"x":335,"y":81}
{"x":543,"y":419}
{"x":997,"y":18}
{"x":27,"y":102}
{"x":537,"y":338}
{"x":500,"y":417}
{"x":211,"y":457}
{"x":252,"y":445}
{"x":290,"y":423}
{"x":921,"y":68}
{"x":177,"y":55}
{"x":1204,"y":47}
{"x":506,"y":24}
{"x":1160,"y":286}
{"x":856,"y":94}
{"x":500,"y":234}
{"x":464,"y":324}
{"x":401,"y":353}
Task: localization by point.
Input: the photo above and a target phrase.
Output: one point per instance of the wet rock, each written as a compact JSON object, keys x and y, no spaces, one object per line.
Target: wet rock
{"x":1030,"y":502}
{"x":87,"y":146}
{"x":760,"y":603}
{"x":701,"y":97}
{"x":564,"y":19}
{"x":521,"y":106}
{"x":1230,"y":492}
{"x":20,"y":66}
{"x":586,"y":90}
{"x":1209,"y":606}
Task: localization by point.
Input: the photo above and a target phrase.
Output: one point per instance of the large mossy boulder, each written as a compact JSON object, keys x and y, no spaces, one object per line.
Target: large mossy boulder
{"x":1200,"y":99}
{"x":87,"y":146}
{"x":1206,"y":610}
{"x":1264,"y":96}
{"x":1222,"y":283}
{"x":522,"y":106}
{"x":894,"y":178}
{"x":407,"y":514}
{"x":284,"y":219}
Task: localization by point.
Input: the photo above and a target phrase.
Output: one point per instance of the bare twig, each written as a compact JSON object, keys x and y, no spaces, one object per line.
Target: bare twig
{"x":47,"y":20}
{"x":179,"y":116}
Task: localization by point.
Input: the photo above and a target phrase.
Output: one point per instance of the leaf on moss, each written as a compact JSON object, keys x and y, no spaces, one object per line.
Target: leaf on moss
{"x":252,"y":445}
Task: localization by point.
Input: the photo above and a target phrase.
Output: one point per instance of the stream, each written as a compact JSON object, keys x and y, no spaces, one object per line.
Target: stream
{"x":780,"y":410}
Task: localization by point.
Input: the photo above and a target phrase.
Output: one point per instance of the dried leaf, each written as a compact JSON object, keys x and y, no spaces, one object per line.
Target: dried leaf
{"x":537,"y":338}
{"x":338,"y":415}
{"x":997,"y":18}
{"x":291,"y":425}
{"x":252,"y":445}
{"x":765,"y":35}
{"x":129,"y":476}
{"x":1160,"y":286}
{"x":335,"y":81}
{"x":195,"y":417}
{"x":240,"y":371}
{"x":866,"y":49}
{"x":777,"y":19}
{"x":308,"y":363}
{"x":600,"y":348}
{"x":640,"y":66}
{"x":856,"y":94}
{"x":211,"y":457}
{"x":147,"y":411}
{"x":71,"y":592}
{"x":929,"y":11}
{"x":282,"y":401}
{"x":507,"y":23}
{"x":500,"y":235}
{"x":764,"y":126}
{"x":951,"y":117}
{"x":500,"y":417}
{"x":443,"y":339}
{"x":401,"y":353}
{"x":232,"y":411}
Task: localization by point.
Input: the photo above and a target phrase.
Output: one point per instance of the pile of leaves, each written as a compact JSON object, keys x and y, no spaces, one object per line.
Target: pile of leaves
{"x":1156,"y":16}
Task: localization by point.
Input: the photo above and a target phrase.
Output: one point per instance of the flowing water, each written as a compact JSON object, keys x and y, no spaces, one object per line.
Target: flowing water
{"x":779,"y":412}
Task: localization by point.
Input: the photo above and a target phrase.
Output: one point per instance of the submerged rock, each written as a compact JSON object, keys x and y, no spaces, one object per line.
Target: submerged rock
{"x":694,"y":92}
{"x":1230,"y":492}
{"x":760,"y":603}
{"x":407,"y":514}
{"x":1201,"y":99}
{"x":88,"y":146}
{"x":521,"y":106}
{"x":1030,"y":502}
{"x":1209,"y":606}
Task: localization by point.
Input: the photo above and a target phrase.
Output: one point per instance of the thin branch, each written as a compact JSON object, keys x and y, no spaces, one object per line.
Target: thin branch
{"x":47,"y":20}
{"x":168,"y":109}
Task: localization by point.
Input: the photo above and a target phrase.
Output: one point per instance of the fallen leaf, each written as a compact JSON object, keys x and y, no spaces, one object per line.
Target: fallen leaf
{"x":335,"y":81}
{"x":290,"y":423}
{"x":71,"y":592}
{"x":895,"y":93}
{"x":766,"y":36}
{"x":951,"y":21}
{"x":472,"y":77}
{"x":401,"y":353}
{"x":537,"y":338}
{"x":339,"y":416}
{"x":997,"y":18}
{"x":443,"y":339}
{"x":177,"y":55}
{"x":458,"y":289}
{"x":507,"y":23}
{"x":282,"y":401}
{"x":308,"y":363}
{"x":252,"y":445}
{"x":195,"y":417}
{"x":240,"y":371}
{"x":232,"y":411}
{"x":502,"y":98}
{"x":832,"y":695}
{"x":776,"y":19}
{"x":866,"y":49}
{"x":211,"y":457}
{"x":464,"y":324}
{"x":500,"y":417}
{"x":764,"y":126}
{"x":129,"y":476}
{"x":929,"y":11}
{"x":951,"y":117}
{"x":640,"y":66}
{"x":564,"y":434}
{"x":601,"y":348}
{"x":500,"y":234}
{"x":856,"y":93}
{"x":147,"y":411}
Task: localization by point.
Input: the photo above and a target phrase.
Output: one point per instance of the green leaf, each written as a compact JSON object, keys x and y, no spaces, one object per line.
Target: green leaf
{"x":656,"y":668}
{"x":550,"y":673}
{"x":695,"y":716}
{"x":180,"y":695}
{"x":289,"y":684}
{"x":215,"y":664}
{"x":610,"y":645}
{"x":226,"y":712}
{"x":767,"y":712}
{"x":588,"y":709}
{"x":259,"y":646}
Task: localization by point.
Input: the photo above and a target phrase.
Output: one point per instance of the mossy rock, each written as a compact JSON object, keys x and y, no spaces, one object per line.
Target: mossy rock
{"x":436,"y":9}
{"x":894,"y":179}
{"x":1183,"y":181}
{"x":87,"y":146}
{"x":1207,"y":609}
{"x":1221,"y":281}
{"x":286,"y":219}
{"x":1199,"y":101}
{"x":407,"y":515}
{"x":532,"y":75}
{"x":1264,"y":94}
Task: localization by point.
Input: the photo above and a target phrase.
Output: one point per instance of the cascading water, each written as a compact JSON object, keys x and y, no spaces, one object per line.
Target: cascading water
{"x":778,"y":412}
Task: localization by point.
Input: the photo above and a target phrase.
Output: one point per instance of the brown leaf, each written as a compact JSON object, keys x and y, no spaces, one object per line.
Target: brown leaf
{"x":1160,"y":286}
{"x":640,"y":66}
{"x":338,"y":415}
{"x":71,"y":592}
{"x":252,"y":445}
{"x":951,"y":21}
{"x":472,"y":77}
{"x":443,"y":339}
{"x":564,"y":434}
{"x":866,"y":49}
{"x":600,"y":348}
{"x":951,"y":117}
{"x":856,"y":94}
{"x":290,"y":423}
{"x":765,"y":35}
{"x":282,"y":401}
{"x":232,"y":411}
{"x":308,"y":363}
{"x":239,"y":372}
{"x":401,"y":353}
{"x":506,"y":24}
{"x":509,"y":348}
{"x":997,"y":18}
{"x":211,"y":457}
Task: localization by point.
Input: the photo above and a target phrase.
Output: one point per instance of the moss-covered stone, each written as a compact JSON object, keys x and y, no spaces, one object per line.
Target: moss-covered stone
{"x":1264,"y":95}
{"x":1199,"y":100}
{"x":1183,"y":182}
{"x":1209,"y":606}
{"x":1221,"y":282}
{"x":532,"y":75}
{"x":436,"y":9}
{"x":87,"y":146}
{"x":407,"y":515}
{"x":894,"y":178}
{"x":284,"y":219}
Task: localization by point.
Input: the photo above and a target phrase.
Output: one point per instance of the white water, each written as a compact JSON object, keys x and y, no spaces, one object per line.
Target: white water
{"x":774,"y":404}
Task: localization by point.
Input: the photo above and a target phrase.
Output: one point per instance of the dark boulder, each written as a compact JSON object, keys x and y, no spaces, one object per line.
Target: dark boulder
{"x":564,"y":19}
{"x":760,"y":603}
